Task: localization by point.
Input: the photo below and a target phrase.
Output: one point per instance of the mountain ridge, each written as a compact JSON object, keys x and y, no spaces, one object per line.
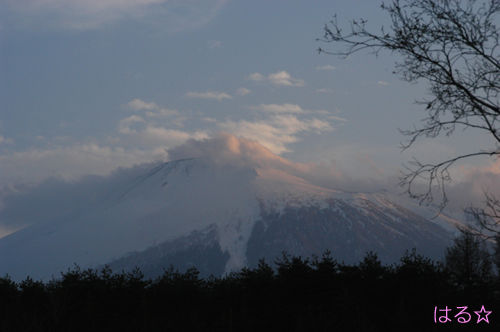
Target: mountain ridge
{"x":248,"y":212}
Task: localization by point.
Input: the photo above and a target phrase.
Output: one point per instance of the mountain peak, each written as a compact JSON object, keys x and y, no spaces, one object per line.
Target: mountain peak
{"x":235,"y":212}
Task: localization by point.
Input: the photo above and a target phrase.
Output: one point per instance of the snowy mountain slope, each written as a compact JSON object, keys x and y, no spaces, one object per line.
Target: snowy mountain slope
{"x":245,"y":213}
{"x":171,"y":200}
{"x":349,"y":226}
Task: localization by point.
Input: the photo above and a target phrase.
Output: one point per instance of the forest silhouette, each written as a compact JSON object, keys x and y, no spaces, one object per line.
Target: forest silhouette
{"x":290,"y":294}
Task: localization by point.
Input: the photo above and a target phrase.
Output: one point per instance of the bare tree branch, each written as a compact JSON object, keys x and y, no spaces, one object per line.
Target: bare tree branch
{"x":454,"y":46}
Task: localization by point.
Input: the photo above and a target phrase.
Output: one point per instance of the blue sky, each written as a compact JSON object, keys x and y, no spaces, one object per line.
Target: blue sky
{"x":89,"y":86}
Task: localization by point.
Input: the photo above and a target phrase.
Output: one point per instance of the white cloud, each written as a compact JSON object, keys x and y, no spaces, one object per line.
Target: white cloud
{"x":154,"y":131}
{"x":67,"y":162}
{"x":280,"y":127}
{"x":275,"y":132}
{"x":140,"y":137}
{"x":279,"y":78}
{"x":138,"y":105}
{"x":242,"y":91}
{"x":334,"y":117}
{"x":226,"y":148}
{"x":268,"y":135}
{"x":162,"y":112}
{"x":209,"y":120}
{"x":125,"y":124}
{"x":289,"y":108}
{"x":327,"y":67}
{"x":256,"y":77}
{"x":284,"y":78}
{"x":240,"y":151}
{"x":209,"y":95}
{"x":92,"y":14}
{"x":160,"y":136}
{"x":325,"y":90}
{"x":152,"y":109}
{"x":5,"y":140}
{"x":283,"y":108}
{"x":136,"y":139}
{"x":71,"y":161}
{"x":151,"y":135}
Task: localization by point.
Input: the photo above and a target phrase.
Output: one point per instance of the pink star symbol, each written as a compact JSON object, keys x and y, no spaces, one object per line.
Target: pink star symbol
{"x":478,"y":313}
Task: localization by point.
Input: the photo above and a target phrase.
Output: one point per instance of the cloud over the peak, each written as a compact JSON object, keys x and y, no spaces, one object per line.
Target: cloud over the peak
{"x":146,"y":129}
{"x":57,"y":196}
{"x":223,"y":148}
{"x":278,"y":125}
{"x":275,"y":126}
{"x":238,"y":151}
{"x":281,"y":78}
{"x":276,"y":131}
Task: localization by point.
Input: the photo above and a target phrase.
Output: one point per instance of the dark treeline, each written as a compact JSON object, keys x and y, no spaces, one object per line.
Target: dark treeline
{"x":295,"y":294}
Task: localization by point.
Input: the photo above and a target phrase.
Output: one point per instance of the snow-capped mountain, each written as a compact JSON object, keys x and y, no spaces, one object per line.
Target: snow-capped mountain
{"x":219,"y":218}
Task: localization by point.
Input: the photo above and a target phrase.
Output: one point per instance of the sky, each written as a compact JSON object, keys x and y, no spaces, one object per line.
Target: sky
{"x":87,"y":87}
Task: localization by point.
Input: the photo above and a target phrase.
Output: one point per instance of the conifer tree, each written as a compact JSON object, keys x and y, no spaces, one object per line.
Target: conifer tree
{"x":468,"y":261}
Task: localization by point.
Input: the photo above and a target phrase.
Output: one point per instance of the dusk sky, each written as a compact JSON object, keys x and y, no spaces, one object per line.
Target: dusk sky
{"x":90,"y":86}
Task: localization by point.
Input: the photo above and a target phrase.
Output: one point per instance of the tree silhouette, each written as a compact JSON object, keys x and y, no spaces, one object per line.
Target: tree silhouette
{"x":454,"y":46}
{"x":496,"y":255}
{"x":468,"y":262}
{"x":295,"y":295}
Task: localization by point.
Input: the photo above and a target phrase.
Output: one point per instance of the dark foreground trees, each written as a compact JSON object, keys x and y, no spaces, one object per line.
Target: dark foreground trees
{"x":468,"y":262}
{"x":452,"y":45}
{"x":293,"y":294}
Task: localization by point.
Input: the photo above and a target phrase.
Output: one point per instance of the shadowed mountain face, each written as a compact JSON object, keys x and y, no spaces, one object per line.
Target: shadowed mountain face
{"x":219,"y":218}
{"x":200,"y":249}
{"x":348,"y":232}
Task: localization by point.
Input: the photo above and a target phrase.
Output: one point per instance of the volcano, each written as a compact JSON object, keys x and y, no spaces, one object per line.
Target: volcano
{"x":219,"y":218}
